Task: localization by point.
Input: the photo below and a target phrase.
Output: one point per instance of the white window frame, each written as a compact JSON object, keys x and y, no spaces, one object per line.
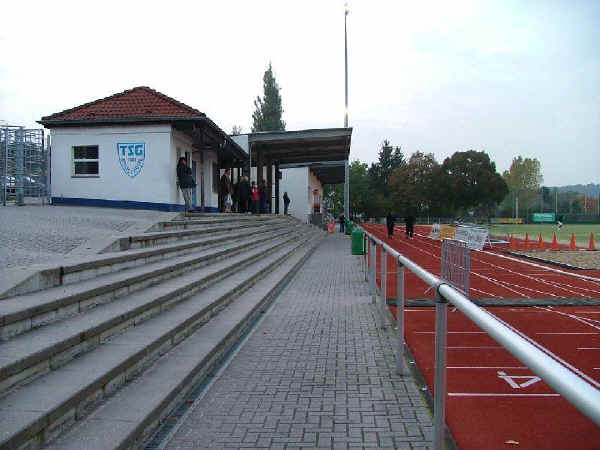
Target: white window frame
{"x":74,"y":160}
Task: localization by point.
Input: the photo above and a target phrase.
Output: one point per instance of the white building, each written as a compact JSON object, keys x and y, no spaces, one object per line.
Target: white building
{"x":122,"y":151}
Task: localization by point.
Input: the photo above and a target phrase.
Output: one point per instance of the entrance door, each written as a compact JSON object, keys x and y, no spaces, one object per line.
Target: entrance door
{"x":195,"y":177}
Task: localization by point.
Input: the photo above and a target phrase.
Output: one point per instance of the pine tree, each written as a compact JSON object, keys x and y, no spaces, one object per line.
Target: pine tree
{"x":267,"y":115}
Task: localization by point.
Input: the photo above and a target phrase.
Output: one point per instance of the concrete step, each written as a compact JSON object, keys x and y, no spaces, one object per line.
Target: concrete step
{"x":145,"y":240}
{"x":40,"y":410}
{"x":23,"y":313}
{"x":34,"y":353}
{"x":232,"y":216}
{"x":192,"y":222}
{"x":86,"y":268}
{"x":144,"y":403}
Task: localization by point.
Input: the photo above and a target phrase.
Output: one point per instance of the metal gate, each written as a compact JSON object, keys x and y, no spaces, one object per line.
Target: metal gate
{"x":24,"y":165}
{"x":456,"y":264}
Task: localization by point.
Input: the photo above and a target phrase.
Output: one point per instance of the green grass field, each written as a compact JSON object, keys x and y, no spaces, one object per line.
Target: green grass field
{"x":582,"y":232}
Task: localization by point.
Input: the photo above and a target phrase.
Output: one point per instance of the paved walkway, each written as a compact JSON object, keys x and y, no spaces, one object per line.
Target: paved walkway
{"x":317,"y":372}
{"x":35,"y":234}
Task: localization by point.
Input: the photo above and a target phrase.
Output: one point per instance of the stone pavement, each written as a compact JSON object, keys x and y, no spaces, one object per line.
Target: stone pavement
{"x":36,"y":234}
{"x":318,"y":371}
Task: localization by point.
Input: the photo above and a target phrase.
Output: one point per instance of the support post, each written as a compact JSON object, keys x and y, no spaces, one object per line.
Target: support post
{"x":346,"y":190}
{"x":270,"y":186}
{"x":259,"y":168}
{"x":367,"y":250}
{"x":373,"y":263}
{"x":439,"y":401}
{"x":383,"y":282}
{"x":276,"y":187}
{"x":400,"y":319}
{"x":20,"y":167}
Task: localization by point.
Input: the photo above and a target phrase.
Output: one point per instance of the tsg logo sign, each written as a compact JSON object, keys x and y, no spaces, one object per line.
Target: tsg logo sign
{"x":131,"y":157}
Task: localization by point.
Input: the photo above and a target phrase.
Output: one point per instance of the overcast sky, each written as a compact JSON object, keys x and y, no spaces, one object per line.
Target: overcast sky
{"x":510,"y":78}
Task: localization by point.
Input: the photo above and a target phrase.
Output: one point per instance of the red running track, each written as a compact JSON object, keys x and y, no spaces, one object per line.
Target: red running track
{"x":492,"y":398}
{"x":493,"y":274}
{"x":483,"y":410}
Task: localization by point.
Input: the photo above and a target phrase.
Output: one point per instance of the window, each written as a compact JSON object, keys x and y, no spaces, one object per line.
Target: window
{"x":86,"y":162}
{"x":215,"y":177}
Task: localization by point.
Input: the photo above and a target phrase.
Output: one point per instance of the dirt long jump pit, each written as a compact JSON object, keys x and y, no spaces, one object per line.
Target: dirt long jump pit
{"x":493,"y":400}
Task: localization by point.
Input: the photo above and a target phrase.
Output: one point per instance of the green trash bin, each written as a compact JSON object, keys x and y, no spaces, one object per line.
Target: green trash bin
{"x":357,"y":241}
{"x":349,"y":226}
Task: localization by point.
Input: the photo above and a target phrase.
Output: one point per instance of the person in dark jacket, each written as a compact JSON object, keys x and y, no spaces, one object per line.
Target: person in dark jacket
{"x":186,"y":182}
{"x":410,"y":225}
{"x":225,"y":191}
{"x":342,"y":220}
{"x":286,"y":203}
{"x":389,"y":221}
{"x":262,"y":197}
{"x":244,"y":194}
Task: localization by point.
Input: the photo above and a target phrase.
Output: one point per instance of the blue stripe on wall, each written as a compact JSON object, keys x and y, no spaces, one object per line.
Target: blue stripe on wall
{"x":125,"y":204}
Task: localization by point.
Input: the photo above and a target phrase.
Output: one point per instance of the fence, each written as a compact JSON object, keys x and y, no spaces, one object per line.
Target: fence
{"x":576,"y":390}
{"x":24,"y":165}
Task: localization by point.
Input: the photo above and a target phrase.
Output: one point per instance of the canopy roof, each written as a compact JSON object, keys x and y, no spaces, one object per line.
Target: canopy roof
{"x":324,"y":150}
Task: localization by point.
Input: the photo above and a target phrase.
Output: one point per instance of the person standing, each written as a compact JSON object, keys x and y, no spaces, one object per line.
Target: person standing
{"x":389,"y":221}
{"x":243,"y":195}
{"x":286,"y":203}
{"x":254,"y":198}
{"x":410,"y":225}
{"x":559,"y":223}
{"x":342,"y":222}
{"x":225,"y":191}
{"x":262,"y":196}
{"x":186,"y":182}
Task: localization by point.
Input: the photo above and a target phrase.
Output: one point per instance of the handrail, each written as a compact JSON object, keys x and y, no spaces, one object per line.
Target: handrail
{"x":576,"y":390}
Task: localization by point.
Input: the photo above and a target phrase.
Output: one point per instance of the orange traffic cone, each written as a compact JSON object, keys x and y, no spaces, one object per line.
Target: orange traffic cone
{"x":572,"y":245}
{"x":512,"y":243}
{"x":555,"y":243}
{"x":526,"y":245}
{"x":592,"y":245}
{"x":540,"y":244}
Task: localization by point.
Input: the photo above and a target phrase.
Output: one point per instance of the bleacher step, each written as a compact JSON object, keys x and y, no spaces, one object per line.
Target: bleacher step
{"x":65,"y":394}
{"x":51,"y":346}
{"x":128,"y":419}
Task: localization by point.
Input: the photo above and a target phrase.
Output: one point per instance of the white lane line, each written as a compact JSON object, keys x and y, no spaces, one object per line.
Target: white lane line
{"x":478,"y":394}
{"x":568,"y":333}
{"x":452,"y":332}
{"x":588,"y":348}
{"x":483,"y":346}
{"x":547,"y":351}
{"x":529,"y":263}
{"x":487,"y":367}
{"x":584,"y":320}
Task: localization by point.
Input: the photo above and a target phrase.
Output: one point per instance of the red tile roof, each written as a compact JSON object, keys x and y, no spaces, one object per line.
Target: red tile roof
{"x":138,"y":103}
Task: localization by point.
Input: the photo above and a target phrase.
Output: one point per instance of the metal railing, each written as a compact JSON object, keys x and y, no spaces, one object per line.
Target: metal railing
{"x":575,"y":389}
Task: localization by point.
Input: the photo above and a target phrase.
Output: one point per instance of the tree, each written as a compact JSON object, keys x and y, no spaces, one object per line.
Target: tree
{"x":236,"y":130}
{"x":380,"y":173}
{"x":362,"y":199}
{"x":412,"y":185}
{"x":523,"y":179}
{"x":268,"y":110}
{"x":470,"y":181}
